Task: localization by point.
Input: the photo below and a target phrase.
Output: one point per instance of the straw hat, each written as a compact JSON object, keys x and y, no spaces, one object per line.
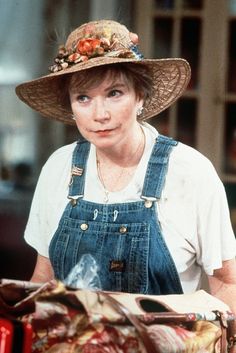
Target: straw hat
{"x":100,"y":43}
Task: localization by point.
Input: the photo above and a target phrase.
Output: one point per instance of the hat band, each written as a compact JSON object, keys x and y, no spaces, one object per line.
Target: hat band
{"x":88,"y":48}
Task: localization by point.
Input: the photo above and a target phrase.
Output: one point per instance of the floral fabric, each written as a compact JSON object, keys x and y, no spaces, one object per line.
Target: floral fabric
{"x":85,"y":322}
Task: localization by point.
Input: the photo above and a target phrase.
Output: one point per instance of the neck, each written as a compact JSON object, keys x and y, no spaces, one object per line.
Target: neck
{"x":115,"y":170}
{"x":127,"y":154}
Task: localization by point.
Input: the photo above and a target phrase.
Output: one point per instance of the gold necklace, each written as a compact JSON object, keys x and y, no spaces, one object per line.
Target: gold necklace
{"x":106,"y":191}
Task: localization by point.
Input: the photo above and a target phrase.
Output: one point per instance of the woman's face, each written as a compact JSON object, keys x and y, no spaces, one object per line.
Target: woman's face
{"x":106,"y":114}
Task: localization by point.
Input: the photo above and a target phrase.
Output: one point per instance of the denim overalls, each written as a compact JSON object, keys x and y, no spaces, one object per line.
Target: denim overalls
{"x":125,"y":238}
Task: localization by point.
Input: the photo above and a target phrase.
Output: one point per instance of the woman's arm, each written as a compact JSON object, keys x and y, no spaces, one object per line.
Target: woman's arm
{"x":223,"y":286}
{"x":43,"y":271}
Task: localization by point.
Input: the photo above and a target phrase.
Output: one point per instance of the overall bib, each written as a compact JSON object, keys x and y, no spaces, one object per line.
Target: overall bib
{"x":125,"y":238}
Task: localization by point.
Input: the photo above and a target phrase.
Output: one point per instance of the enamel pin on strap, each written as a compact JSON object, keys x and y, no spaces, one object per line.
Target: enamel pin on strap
{"x":75,"y":171}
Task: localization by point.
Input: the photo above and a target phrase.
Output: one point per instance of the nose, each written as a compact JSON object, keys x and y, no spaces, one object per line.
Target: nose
{"x":101,"y":111}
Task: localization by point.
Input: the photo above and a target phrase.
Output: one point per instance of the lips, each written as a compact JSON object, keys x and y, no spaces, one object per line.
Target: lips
{"x":103,"y":132}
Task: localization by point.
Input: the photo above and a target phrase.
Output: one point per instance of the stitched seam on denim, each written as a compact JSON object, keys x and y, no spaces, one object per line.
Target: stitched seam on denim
{"x":157,"y":167}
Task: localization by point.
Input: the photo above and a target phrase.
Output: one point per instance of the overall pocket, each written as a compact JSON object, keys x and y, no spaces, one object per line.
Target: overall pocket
{"x":120,"y":250}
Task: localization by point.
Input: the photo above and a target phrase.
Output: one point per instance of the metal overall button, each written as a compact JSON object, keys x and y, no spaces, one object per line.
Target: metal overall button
{"x":73,"y":202}
{"x":84,"y":226}
{"x":148,"y":203}
{"x":74,"y":199}
{"x":123,"y":229}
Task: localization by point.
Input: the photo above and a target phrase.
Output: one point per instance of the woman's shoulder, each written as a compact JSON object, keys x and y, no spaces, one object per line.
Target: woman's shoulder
{"x":191,"y":160}
{"x":61,"y":155}
{"x":58,"y":165}
{"x":62,"y":152}
{"x":183,"y":156}
{"x":184,"y":159}
{"x":186,"y":163}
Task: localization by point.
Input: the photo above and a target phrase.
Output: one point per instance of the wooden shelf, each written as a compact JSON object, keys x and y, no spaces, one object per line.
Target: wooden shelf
{"x":206,"y":37}
{"x":180,"y":13}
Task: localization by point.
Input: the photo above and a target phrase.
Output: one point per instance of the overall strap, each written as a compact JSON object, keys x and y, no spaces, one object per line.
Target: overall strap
{"x":157,"y":168}
{"x":79,"y":160}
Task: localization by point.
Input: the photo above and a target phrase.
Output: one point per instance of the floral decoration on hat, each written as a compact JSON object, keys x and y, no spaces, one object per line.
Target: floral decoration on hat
{"x":91,"y":47}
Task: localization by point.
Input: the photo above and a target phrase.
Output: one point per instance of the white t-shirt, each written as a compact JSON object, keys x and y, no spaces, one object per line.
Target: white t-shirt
{"x":193,"y":210}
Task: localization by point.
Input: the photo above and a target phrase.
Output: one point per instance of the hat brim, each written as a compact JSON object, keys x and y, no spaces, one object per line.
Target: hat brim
{"x":170,"y":79}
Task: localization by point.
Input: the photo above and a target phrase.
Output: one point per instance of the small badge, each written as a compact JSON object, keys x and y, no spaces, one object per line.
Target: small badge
{"x":117,"y":266}
{"x":75,"y":171}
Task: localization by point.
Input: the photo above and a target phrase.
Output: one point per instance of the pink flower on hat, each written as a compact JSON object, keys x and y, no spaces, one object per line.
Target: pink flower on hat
{"x":76,"y":58}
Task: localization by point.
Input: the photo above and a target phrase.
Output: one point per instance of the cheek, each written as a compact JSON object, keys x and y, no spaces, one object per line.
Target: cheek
{"x":81,"y":124}
{"x":82,"y":115}
{"x":77,"y":109}
{"x":74,"y":108}
{"x":83,"y":129}
{"x":78,"y":124}
{"x":126,"y":107}
{"x":128,"y":112}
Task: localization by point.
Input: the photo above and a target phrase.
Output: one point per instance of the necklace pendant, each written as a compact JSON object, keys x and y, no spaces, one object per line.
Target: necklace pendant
{"x":106,"y":197}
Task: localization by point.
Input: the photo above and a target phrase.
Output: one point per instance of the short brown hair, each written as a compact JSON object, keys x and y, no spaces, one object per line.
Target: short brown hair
{"x":138,"y":76}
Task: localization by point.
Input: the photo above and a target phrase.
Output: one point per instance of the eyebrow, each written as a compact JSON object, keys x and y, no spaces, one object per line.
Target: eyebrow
{"x":110,"y":87}
{"x":115,"y":85}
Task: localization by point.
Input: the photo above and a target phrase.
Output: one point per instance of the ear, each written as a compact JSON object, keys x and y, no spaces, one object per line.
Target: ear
{"x":140,"y":102}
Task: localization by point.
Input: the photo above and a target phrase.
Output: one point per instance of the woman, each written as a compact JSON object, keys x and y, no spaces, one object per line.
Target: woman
{"x":147,"y":208}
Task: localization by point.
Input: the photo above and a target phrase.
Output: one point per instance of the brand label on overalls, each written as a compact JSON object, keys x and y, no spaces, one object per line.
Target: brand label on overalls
{"x":117,"y":266}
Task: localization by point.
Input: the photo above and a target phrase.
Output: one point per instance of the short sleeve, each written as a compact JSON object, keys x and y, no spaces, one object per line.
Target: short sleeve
{"x":49,"y":200}
{"x":37,"y":226}
{"x":216,"y":237}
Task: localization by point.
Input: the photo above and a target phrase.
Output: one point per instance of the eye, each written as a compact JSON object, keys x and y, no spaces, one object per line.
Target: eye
{"x":82,"y":98}
{"x":115,"y":93}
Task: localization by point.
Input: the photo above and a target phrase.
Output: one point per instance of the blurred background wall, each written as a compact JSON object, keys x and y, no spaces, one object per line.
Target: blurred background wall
{"x":202,"y":31}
